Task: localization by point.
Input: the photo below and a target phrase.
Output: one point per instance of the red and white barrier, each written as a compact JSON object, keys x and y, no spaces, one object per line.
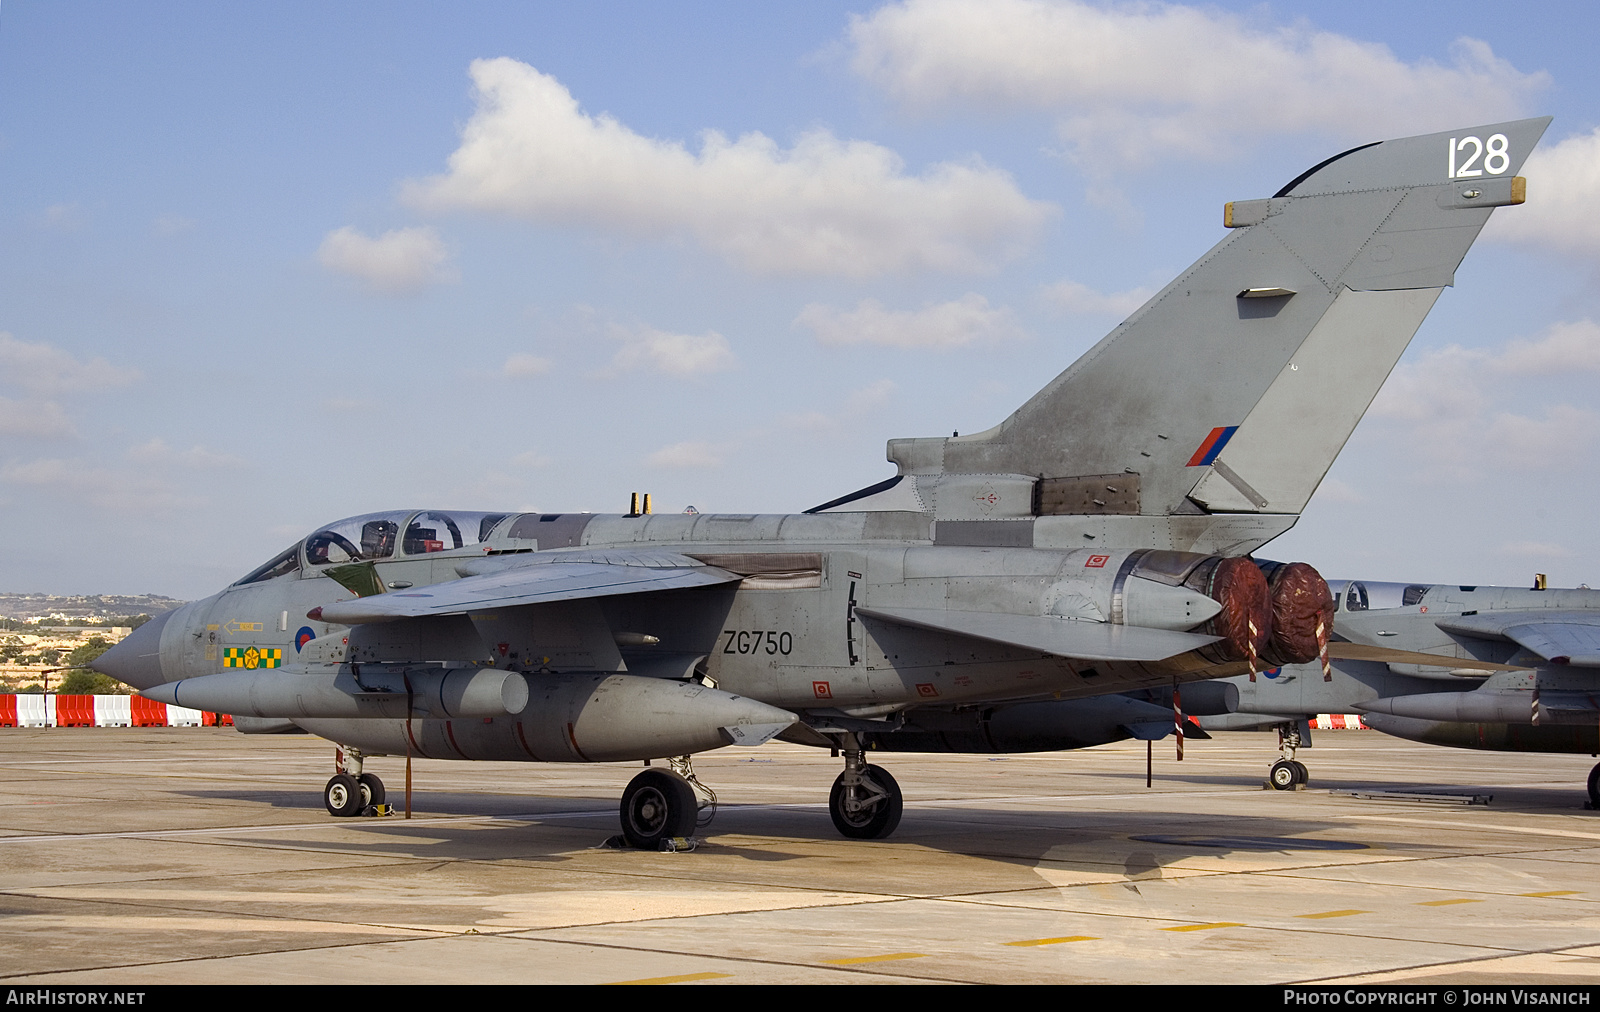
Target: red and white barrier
{"x":33,"y":709}
{"x":1339,"y":722}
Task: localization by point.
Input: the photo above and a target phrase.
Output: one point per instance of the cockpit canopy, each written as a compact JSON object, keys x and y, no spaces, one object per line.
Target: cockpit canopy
{"x":377,"y":536}
{"x":1374,"y":595}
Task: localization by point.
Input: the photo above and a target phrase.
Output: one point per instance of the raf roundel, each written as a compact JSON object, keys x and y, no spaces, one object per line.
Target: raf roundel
{"x":304,"y":636}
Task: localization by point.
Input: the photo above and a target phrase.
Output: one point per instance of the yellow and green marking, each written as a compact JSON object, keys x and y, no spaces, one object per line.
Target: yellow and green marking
{"x":252,"y":657}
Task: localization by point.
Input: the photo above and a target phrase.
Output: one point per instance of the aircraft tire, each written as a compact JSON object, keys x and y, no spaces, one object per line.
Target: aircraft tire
{"x":656,"y":806}
{"x":1301,"y":771}
{"x":371,"y":790}
{"x":342,"y":796}
{"x":874,"y":823}
{"x":1283,"y":776}
{"x":1594,"y":786}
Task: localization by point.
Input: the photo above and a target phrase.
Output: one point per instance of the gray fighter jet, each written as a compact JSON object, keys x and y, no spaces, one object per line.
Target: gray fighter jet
{"x":1498,"y":668}
{"x":999,"y":592}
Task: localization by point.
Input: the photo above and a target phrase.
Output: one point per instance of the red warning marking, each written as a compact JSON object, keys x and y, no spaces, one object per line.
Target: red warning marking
{"x":1097,"y":562}
{"x":926,"y":689}
{"x":822,"y":690}
{"x":503,"y":647}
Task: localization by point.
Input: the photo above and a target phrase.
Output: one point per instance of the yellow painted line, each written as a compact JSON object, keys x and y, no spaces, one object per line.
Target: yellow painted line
{"x":681,"y":978}
{"x":1445,"y":903}
{"x":1205,"y":927}
{"x":1555,"y":892}
{"x":875,"y":959}
{"x":1332,"y":913}
{"x":1055,"y":941}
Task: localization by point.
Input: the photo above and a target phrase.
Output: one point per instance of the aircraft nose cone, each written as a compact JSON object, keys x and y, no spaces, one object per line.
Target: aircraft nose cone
{"x":136,"y":661}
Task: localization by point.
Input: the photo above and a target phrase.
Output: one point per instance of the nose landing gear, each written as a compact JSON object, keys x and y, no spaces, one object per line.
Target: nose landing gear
{"x":1289,"y":773}
{"x":865,"y":803}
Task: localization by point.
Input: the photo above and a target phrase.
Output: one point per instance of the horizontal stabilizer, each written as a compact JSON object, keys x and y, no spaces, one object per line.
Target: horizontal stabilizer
{"x":1087,"y":641}
{"x":1562,"y":637}
{"x":1383,"y":655}
{"x":535,"y":579}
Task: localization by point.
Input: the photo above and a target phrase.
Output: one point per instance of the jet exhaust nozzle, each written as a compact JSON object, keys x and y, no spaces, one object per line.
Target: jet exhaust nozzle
{"x":1302,"y":612}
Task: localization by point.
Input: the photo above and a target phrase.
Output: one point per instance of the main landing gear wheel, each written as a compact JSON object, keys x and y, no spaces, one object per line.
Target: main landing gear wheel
{"x":371,"y":790}
{"x":1594,"y":786}
{"x":868,"y":809}
{"x":657,"y":806}
{"x":1283,"y":775}
{"x":343,"y":796}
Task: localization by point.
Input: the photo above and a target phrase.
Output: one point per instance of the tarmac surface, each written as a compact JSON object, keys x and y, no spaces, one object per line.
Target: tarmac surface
{"x":168,"y":855}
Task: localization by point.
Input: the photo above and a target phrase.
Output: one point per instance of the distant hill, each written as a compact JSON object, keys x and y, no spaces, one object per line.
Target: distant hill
{"x":64,"y":609}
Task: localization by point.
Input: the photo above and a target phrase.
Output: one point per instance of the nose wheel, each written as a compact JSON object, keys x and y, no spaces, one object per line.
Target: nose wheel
{"x":1288,"y":773}
{"x":865,"y":803}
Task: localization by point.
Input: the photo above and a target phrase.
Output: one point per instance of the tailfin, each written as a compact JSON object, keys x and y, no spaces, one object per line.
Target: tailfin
{"x":1234,"y":388}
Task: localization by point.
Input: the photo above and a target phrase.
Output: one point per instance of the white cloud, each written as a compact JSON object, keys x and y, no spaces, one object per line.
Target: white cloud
{"x":966,"y":321}
{"x":1130,"y":82}
{"x":1079,"y":298}
{"x":532,"y":459}
{"x":43,"y":419}
{"x":1563,"y":199}
{"x":1569,"y":347}
{"x":856,"y":405}
{"x":871,"y":397}
{"x":1334,"y":490}
{"x":42,"y":369}
{"x":63,"y":217}
{"x":158,"y":453}
{"x":173,"y":224}
{"x":524,"y":366}
{"x":1535,"y":549}
{"x":1462,"y":409}
{"x":398,"y":261}
{"x":823,"y":207}
{"x":687,"y":455}
{"x":674,"y":354}
{"x":135,"y":491}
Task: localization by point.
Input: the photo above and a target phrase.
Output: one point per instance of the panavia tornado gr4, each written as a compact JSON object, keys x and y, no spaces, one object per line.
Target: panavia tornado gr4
{"x":1003,"y":591}
{"x":1508,"y":669}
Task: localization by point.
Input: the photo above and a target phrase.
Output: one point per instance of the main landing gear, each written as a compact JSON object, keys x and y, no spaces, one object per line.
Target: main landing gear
{"x":1288,"y":773}
{"x":1594,"y":787}
{"x":660,"y":807}
{"x":865,"y":802}
{"x":351,"y":792}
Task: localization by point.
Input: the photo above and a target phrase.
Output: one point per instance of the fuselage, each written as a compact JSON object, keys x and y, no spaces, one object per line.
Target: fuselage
{"x":788,"y":634}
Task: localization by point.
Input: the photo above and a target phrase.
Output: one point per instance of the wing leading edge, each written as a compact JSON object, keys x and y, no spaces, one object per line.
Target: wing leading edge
{"x":1562,"y":637}
{"x":535,"y":579}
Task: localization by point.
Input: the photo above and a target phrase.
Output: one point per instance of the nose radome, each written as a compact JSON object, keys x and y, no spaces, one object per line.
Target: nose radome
{"x":136,"y":661}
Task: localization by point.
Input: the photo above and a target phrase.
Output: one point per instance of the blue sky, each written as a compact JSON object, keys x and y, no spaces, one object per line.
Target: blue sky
{"x":262,"y":267}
